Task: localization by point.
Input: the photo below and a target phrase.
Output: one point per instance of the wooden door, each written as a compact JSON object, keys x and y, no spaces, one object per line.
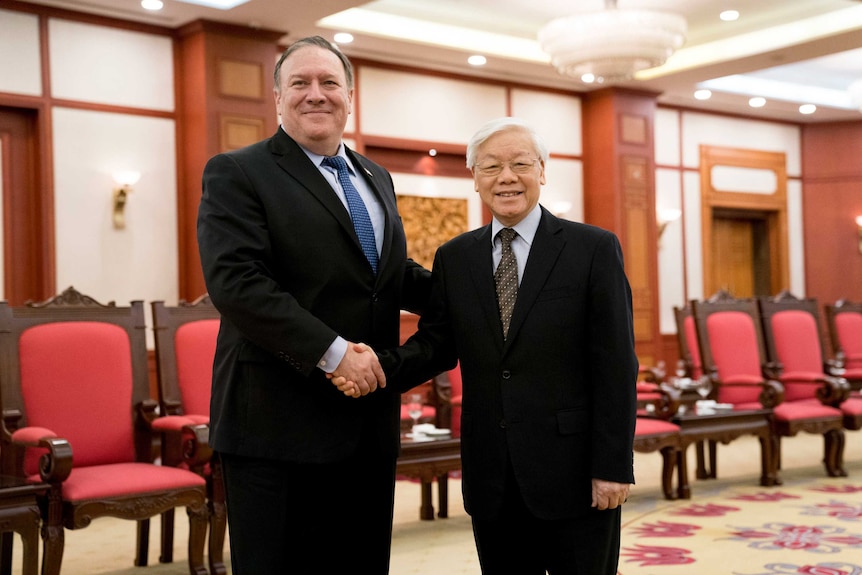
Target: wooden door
{"x":28,"y":233}
{"x":742,"y":254}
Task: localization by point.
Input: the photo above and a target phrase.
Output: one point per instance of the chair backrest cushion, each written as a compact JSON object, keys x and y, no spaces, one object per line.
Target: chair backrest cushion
{"x":693,"y":350}
{"x":797,"y":345}
{"x":194,"y":345}
{"x":848,"y":326}
{"x":734,"y":347}
{"x":76,"y":380}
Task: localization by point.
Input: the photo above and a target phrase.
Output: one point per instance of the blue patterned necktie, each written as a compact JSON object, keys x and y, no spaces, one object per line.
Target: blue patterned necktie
{"x":358,"y":212}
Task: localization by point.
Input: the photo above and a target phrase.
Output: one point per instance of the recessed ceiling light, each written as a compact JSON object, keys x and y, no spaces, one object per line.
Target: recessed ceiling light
{"x":729,"y":15}
{"x":477,"y":60}
{"x":757,"y":102}
{"x":703,"y":94}
{"x":432,"y":152}
{"x":588,"y":78}
{"x":343,"y":38}
{"x":152,"y":4}
{"x":807,"y":109}
{"x":220,"y":4}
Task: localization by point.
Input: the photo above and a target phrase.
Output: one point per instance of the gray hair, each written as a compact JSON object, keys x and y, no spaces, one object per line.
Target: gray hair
{"x":502,"y":125}
{"x":320,"y":42}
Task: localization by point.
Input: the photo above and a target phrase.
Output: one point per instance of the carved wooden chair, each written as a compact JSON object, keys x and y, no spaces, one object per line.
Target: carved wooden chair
{"x":657,"y":403}
{"x":791,"y":327}
{"x":76,"y":415}
{"x":844,"y":319}
{"x":734,"y":356}
{"x":185,"y":342}
{"x":686,"y":336}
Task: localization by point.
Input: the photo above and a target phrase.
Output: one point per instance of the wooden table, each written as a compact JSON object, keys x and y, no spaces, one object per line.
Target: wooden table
{"x":19,"y":512}
{"x":724,"y":427}
{"x":426,"y":460}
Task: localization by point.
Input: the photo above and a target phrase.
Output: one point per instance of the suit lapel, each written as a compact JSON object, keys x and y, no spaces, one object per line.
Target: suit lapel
{"x":482,"y":274}
{"x":546,"y":248}
{"x":296,"y":164}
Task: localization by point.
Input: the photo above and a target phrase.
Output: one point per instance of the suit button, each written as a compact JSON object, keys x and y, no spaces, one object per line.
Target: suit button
{"x":374,"y":297}
{"x":507,"y":374}
{"x":502,"y":424}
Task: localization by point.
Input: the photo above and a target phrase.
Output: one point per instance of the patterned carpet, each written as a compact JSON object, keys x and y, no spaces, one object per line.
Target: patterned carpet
{"x":810,"y":525}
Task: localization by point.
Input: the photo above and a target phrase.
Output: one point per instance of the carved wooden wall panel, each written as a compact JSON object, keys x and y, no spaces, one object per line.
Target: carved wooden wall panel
{"x":429,"y":222}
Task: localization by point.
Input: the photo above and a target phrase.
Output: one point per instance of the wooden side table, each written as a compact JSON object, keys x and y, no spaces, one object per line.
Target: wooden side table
{"x":425,"y":460}
{"x":19,"y":512}
{"x":724,"y":427}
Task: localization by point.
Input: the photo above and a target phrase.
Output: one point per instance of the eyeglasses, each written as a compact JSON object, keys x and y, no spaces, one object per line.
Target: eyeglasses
{"x":519,"y":167}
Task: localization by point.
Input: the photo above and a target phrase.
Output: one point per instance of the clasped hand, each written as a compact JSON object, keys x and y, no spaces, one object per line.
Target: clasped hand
{"x":359,"y":372}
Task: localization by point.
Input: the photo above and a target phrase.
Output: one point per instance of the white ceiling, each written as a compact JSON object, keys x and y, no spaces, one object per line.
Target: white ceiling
{"x":791,"y":51}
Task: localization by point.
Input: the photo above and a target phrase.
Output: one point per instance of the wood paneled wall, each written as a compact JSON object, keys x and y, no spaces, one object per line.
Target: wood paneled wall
{"x":832,"y":198}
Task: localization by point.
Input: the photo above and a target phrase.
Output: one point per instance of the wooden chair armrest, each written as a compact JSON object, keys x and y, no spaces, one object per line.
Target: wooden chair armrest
{"x":55,"y":464}
{"x":771,"y":393}
{"x":830,"y":391}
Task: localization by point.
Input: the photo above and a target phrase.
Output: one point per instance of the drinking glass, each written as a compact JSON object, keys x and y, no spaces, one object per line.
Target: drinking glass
{"x":414,"y":409}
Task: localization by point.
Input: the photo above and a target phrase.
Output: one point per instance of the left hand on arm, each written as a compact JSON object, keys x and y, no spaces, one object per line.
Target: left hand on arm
{"x":609,"y":494}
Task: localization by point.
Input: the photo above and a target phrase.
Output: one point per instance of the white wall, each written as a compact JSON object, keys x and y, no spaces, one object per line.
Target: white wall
{"x":140,"y":260}
{"x":440,"y":110}
{"x":20,"y":69}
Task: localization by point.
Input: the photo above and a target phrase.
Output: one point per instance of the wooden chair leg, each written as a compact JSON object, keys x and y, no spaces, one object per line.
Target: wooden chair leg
{"x":197,"y":538}
{"x":53,"y":540}
{"x":6,"y":542}
{"x":167,"y":552}
{"x":143,"y":549}
{"x":833,"y":453}
{"x":217,"y":518}
{"x":669,"y":457}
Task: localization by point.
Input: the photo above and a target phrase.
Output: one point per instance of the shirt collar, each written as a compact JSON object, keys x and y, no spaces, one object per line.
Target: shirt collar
{"x":317,"y":159}
{"x":526,"y":228}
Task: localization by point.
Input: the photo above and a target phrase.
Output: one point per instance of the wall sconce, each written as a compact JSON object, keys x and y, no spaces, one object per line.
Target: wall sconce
{"x":859,"y":232}
{"x":125,"y":180}
{"x":664,"y":216}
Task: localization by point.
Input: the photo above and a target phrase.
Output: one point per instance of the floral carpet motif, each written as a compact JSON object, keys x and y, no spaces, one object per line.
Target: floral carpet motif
{"x":808,"y":526}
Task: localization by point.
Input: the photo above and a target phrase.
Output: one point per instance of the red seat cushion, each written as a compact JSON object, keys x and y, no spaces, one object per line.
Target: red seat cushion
{"x":806,"y":409}
{"x":119,"y":479}
{"x":647,"y":426}
{"x":194,"y":345}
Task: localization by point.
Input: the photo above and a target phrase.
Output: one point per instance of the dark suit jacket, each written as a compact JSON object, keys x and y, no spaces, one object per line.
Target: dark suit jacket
{"x":557,"y":398}
{"x":283,"y":265}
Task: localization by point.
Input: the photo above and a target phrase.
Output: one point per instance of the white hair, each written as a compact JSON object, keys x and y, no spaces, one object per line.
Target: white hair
{"x":501,"y":125}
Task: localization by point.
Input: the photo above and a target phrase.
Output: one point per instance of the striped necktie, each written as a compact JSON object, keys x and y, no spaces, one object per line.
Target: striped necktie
{"x":358,"y":212}
{"x":506,"y":279}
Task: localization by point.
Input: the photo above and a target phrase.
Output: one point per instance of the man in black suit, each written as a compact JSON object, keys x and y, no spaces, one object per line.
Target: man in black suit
{"x":548,"y":411}
{"x":299,"y":271}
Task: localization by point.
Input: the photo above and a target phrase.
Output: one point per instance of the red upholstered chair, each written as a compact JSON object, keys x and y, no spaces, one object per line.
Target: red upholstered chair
{"x":791,"y":327}
{"x":844,"y":319}
{"x":686,"y":334}
{"x":653,"y":432}
{"x":76,"y":415}
{"x":734,"y":356}
{"x":185,"y":341}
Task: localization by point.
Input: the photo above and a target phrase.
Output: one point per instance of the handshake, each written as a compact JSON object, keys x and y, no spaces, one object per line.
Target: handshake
{"x":359,"y":372}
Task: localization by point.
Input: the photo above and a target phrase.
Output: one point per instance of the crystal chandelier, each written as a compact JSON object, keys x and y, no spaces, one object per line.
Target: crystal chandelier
{"x":611,"y":44}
